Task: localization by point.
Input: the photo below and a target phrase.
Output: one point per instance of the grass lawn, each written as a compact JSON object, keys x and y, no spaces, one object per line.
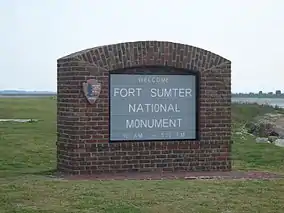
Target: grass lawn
{"x":27,"y":152}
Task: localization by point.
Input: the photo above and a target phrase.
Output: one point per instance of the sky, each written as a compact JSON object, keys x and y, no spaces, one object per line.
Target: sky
{"x":34,"y":34}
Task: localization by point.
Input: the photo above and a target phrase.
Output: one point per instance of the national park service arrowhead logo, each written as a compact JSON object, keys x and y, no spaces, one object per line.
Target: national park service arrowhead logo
{"x":92,"y":90}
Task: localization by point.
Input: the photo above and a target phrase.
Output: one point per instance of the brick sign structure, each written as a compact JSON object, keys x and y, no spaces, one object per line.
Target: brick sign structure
{"x":143,"y":106}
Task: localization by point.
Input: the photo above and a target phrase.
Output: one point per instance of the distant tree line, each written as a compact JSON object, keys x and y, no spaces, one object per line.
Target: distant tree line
{"x":260,"y":94}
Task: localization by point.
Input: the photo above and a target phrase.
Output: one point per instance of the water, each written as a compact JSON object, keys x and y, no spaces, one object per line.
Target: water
{"x":18,"y":120}
{"x":270,"y":101}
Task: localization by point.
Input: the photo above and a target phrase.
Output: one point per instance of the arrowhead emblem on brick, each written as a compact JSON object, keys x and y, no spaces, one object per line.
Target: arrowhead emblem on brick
{"x":92,"y":90}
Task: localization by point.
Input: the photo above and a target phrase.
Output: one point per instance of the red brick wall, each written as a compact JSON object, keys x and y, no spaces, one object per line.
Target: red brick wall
{"x":83,"y":145}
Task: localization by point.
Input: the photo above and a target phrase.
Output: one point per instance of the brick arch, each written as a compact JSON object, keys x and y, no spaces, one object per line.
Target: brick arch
{"x":83,"y":135}
{"x":121,"y":55}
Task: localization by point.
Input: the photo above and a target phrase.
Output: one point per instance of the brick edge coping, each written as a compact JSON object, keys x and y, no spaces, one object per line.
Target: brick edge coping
{"x":232,"y":175}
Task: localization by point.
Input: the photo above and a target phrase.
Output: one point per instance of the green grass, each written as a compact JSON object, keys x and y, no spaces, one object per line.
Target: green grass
{"x":241,"y":113}
{"x":247,"y":154}
{"x":27,"y":151}
{"x":29,"y":147}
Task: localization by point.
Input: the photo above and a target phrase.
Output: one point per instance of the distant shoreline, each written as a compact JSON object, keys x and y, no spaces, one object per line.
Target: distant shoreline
{"x":257,"y":96}
{"x":55,"y":94}
{"x":275,"y":101}
{"x":26,"y":95}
